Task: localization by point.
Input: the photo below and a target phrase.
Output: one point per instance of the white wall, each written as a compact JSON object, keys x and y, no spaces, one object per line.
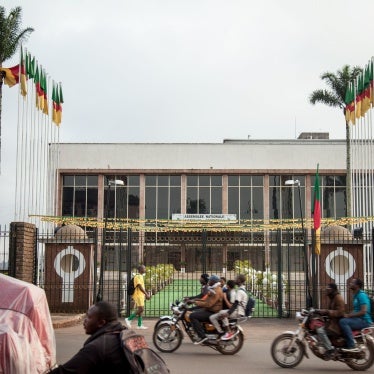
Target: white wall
{"x":266,"y":154}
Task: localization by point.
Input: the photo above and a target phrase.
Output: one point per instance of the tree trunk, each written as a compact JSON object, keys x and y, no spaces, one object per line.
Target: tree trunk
{"x":349,"y":180}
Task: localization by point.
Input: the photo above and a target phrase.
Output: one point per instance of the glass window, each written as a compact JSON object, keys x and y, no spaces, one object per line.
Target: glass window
{"x":80,"y":180}
{"x":91,"y":202}
{"x":68,"y":180}
{"x":245,"y":180}
{"x":67,"y":201}
{"x":92,"y":180}
{"x":216,"y":180}
{"x":204,"y":200}
{"x":150,"y":203}
{"x":216,"y":200}
{"x":233,"y":200}
{"x":204,"y":180}
{"x":257,"y":203}
{"x":274,"y":180}
{"x":341,"y":203}
{"x":133,"y":180}
{"x":162,"y":202}
{"x":175,"y":200}
{"x":245,"y":203}
{"x":175,"y":180}
{"x":191,"y":207}
{"x":163,"y":180}
{"x":133,"y":202}
{"x":274,"y":200}
{"x":257,"y":180}
{"x":121,"y":203}
{"x":150,"y":180}
{"x":192,"y":180}
{"x":80,"y":202}
{"x":233,"y":180}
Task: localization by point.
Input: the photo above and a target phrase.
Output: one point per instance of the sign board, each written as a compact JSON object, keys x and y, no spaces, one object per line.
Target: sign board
{"x":204,"y":217}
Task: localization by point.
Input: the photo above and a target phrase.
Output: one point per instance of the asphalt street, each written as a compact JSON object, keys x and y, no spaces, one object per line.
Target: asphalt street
{"x":253,"y":358}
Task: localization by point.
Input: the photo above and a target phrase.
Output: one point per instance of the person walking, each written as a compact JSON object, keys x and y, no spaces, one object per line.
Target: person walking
{"x":359,"y":318}
{"x":139,"y":296}
{"x":102,"y":351}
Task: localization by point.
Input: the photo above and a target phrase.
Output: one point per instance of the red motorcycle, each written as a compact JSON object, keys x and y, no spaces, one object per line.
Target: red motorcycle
{"x":289,"y":348}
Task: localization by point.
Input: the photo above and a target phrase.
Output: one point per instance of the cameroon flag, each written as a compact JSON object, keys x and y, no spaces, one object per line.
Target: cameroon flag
{"x":11,"y":75}
{"x":317,"y":214}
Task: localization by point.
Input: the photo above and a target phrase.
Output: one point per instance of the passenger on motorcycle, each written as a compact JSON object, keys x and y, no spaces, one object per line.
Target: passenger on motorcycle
{"x":359,"y":318}
{"x":208,"y":306}
{"x":229,"y":298}
{"x":237,"y":309}
{"x":335,"y":311}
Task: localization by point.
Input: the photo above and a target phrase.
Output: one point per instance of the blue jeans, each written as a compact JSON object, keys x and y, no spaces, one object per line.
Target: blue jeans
{"x":349,"y":324}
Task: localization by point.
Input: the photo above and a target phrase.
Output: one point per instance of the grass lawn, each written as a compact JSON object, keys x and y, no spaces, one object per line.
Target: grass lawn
{"x":159,"y":304}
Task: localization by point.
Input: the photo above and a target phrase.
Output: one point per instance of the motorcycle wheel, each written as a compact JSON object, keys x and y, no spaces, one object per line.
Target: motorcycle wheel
{"x":366,"y":362}
{"x":167,"y":339}
{"x":285,"y":355}
{"x":230,"y":347}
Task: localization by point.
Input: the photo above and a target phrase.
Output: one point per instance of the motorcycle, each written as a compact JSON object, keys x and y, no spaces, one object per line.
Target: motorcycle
{"x":289,"y":348}
{"x":168,"y":332}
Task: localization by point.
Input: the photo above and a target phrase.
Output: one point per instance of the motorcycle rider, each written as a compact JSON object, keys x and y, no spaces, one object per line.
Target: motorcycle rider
{"x":359,"y":318}
{"x":207,"y":306}
{"x":204,"y":278}
{"x":228,"y":300}
{"x":335,"y":311}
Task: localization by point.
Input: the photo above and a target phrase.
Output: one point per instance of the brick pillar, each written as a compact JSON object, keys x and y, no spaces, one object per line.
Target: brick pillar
{"x":21,"y":251}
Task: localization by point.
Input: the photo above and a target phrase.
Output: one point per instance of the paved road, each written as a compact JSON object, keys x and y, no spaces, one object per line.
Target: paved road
{"x":189,"y":358}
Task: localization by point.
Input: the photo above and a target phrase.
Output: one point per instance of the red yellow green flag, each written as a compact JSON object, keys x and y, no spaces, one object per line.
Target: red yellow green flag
{"x":11,"y":75}
{"x":317,"y":214}
{"x":23,"y":75}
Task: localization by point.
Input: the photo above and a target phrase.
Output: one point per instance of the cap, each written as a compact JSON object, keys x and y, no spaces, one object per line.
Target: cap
{"x":214,"y":278}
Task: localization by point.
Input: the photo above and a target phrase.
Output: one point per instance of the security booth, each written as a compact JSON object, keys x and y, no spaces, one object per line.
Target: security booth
{"x":341,"y":259}
{"x":69,"y":270}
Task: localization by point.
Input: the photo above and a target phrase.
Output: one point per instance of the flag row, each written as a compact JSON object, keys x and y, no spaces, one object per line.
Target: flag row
{"x":359,"y":96}
{"x":28,"y":69}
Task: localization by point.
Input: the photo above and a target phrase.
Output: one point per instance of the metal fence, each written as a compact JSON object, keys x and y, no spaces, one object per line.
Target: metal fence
{"x":283,"y":272}
{"x":4,"y":249}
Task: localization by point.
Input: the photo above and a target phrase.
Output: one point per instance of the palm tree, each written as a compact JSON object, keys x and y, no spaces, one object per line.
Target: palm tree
{"x":11,"y":37}
{"x":338,"y":84}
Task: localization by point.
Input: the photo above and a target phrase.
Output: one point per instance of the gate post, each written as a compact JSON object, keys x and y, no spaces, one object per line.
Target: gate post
{"x":21,"y":251}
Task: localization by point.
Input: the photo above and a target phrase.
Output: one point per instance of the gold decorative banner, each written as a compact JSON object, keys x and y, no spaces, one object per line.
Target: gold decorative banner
{"x":196,"y":225}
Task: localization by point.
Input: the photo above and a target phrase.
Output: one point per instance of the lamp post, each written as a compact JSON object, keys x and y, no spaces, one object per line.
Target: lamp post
{"x":114,"y":182}
{"x":296,"y":182}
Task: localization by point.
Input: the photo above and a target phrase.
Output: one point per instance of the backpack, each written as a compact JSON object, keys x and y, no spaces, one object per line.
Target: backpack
{"x":140,"y":357}
{"x":131,"y":287}
{"x":250,"y":305}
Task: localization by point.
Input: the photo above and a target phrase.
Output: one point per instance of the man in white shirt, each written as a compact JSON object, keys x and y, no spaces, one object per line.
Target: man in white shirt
{"x":238,"y":308}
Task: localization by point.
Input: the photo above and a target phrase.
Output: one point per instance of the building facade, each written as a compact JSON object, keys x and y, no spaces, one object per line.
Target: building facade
{"x":245,"y":178}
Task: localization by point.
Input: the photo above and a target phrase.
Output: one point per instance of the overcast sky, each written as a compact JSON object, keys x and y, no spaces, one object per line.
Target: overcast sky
{"x":187,"y":70}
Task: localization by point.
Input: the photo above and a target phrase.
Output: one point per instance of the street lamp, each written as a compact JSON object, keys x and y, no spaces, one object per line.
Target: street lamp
{"x":296,"y":182}
{"x":113,"y":182}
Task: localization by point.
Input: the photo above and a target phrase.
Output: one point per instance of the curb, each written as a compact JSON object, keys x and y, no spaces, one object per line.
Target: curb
{"x":66,"y":321}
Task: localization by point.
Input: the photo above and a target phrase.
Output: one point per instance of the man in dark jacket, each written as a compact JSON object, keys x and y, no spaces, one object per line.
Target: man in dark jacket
{"x":335,"y":311}
{"x":102,"y":352}
{"x":207,"y":306}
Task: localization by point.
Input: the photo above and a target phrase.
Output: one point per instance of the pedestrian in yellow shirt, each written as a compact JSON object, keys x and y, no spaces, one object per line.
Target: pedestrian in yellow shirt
{"x":139,"y":295}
